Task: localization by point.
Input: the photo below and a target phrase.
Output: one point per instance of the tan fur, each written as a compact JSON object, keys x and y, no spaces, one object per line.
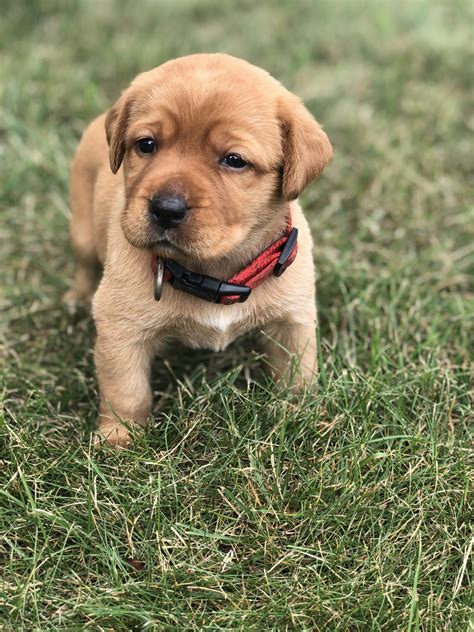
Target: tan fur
{"x":198,"y":109}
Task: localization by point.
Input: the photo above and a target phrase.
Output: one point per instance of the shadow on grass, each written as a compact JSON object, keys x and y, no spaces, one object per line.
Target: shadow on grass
{"x":51,"y":384}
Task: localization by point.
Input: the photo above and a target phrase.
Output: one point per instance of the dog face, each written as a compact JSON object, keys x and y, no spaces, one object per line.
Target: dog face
{"x":212,"y":148}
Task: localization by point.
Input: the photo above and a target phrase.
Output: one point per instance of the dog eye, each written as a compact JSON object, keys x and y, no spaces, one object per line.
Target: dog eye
{"x":146,"y":145}
{"x":234,"y":161}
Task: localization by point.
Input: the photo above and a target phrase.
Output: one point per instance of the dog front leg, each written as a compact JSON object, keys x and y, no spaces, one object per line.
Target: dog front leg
{"x":123,"y":367}
{"x":291,"y":350}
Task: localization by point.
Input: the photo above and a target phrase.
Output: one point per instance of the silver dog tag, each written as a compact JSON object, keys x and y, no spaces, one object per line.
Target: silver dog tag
{"x":160,"y":270}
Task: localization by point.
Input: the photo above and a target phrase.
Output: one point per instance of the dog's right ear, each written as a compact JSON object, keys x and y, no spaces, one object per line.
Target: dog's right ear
{"x":116,"y":122}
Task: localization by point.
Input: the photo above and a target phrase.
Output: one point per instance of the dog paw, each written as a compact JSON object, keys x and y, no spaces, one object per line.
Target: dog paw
{"x":73,"y":300}
{"x":115,"y":435}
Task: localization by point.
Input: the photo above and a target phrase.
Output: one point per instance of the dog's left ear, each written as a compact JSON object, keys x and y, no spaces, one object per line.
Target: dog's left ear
{"x":116,"y":122}
{"x":306,"y":148}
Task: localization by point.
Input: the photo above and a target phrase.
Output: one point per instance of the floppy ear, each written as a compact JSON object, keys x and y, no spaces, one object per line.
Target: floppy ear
{"x":306,"y":148}
{"x":116,"y":122}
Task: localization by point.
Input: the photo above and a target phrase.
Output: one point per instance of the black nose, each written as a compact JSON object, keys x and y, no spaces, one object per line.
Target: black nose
{"x":168,"y":210}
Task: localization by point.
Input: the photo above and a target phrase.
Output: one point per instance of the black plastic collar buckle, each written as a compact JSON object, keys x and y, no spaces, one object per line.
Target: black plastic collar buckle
{"x":288,"y":248}
{"x":206,"y":287}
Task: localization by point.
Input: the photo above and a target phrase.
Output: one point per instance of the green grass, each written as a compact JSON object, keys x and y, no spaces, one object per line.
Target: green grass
{"x":238,"y":509}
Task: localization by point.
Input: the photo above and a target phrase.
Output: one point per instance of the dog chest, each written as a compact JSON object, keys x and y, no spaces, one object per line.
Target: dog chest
{"x":214,"y":328}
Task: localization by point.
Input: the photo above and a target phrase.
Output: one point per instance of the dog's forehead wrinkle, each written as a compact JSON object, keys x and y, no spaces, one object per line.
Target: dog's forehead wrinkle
{"x":201,"y":105}
{"x":203,"y":88}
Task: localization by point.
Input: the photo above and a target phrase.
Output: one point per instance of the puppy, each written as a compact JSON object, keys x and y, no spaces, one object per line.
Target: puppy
{"x":185,"y":194}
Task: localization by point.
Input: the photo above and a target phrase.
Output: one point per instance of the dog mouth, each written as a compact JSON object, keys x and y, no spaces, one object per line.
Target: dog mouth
{"x":164,"y":247}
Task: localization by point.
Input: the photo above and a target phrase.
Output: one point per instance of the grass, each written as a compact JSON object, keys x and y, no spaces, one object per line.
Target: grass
{"x":239,"y":509}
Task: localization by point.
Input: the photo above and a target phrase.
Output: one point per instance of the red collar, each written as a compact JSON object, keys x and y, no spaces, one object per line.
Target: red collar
{"x":271,"y":262}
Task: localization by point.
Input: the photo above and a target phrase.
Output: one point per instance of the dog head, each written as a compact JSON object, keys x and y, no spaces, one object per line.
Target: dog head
{"x":212,"y":149}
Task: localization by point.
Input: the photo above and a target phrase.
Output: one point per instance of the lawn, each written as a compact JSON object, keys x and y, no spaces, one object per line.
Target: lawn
{"x":240,"y":509}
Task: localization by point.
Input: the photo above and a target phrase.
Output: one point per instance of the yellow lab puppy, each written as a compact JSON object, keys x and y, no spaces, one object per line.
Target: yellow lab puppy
{"x":184,"y":193}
